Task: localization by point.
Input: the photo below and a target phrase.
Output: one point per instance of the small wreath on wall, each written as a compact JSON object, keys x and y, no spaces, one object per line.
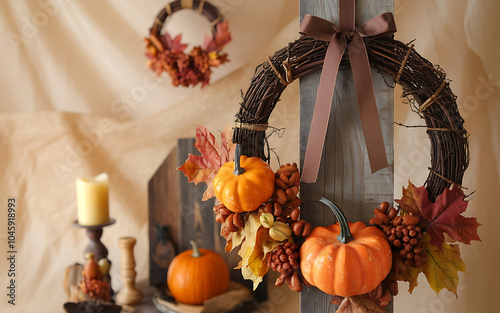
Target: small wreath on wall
{"x":166,"y":54}
{"x":415,"y":236}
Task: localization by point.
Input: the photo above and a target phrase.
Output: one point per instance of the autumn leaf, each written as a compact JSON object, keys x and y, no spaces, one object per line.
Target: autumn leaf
{"x":442,"y":216}
{"x":255,"y":244}
{"x":445,"y":217}
{"x":359,"y":304}
{"x":173,"y":44}
{"x":442,"y":265}
{"x":414,"y":198}
{"x":410,"y":275}
{"x":228,"y":148}
{"x":204,"y":167}
{"x":221,"y":39}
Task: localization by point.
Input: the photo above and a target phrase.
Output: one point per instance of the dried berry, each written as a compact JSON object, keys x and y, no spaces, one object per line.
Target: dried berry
{"x":402,"y":233}
{"x":232,"y":221}
{"x":284,"y":258}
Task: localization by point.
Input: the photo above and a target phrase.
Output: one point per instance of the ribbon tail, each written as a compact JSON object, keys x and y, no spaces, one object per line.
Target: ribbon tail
{"x":370,"y":119}
{"x":319,"y":123}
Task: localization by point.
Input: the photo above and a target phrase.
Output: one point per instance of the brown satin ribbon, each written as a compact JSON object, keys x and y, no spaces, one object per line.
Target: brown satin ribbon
{"x":350,"y":38}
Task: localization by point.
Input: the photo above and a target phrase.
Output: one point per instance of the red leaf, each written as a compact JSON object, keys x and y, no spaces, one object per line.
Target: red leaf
{"x":173,"y":44}
{"x":442,"y":216}
{"x":222,"y":38}
{"x":204,"y":168}
{"x":445,"y":217}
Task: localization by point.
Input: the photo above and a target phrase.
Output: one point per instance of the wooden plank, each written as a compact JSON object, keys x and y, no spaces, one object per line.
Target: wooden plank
{"x":162,"y":194}
{"x":345,"y":176}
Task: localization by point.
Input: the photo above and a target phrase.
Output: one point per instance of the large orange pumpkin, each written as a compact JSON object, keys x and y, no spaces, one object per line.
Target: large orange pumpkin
{"x":243,"y":185}
{"x":197,"y":275}
{"x":345,"y":259}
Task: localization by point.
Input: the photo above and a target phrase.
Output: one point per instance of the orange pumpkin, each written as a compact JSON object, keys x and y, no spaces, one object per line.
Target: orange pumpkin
{"x":197,"y":275}
{"x":345,"y":259}
{"x":243,"y":185}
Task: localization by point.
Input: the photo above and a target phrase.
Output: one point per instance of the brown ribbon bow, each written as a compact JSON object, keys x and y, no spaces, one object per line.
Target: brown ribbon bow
{"x":350,"y":38}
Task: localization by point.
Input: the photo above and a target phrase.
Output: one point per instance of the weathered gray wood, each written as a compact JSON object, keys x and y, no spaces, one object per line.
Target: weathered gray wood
{"x":195,"y":217}
{"x":162,"y":193}
{"x":345,"y":175}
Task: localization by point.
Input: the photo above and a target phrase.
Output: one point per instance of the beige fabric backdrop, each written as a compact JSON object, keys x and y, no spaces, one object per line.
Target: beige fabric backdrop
{"x":77,"y":100}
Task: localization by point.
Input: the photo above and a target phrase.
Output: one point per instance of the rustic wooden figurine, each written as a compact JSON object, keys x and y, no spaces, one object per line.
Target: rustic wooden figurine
{"x":128,"y":295}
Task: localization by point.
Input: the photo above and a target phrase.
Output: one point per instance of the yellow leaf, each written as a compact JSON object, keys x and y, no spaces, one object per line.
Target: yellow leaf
{"x":255,"y":245}
{"x":442,"y":265}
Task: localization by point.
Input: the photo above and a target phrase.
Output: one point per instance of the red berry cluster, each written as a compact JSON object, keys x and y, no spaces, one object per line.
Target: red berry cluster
{"x":285,"y":260}
{"x":403,"y":233}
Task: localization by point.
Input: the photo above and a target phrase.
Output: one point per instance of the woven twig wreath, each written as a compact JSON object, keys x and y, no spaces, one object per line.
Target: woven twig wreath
{"x":270,"y":232}
{"x":424,"y":84}
{"x":166,"y":54}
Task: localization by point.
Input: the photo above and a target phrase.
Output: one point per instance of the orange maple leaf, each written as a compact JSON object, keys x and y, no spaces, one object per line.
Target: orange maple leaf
{"x":204,"y":167}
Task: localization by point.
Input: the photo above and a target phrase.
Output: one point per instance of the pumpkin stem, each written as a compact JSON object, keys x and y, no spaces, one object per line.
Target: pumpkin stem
{"x":345,"y":233}
{"x":238,"y":170}
{"x":196,"y":253}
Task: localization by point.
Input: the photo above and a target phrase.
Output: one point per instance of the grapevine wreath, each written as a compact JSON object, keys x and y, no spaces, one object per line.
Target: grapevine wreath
{"x":166,"y":54}
{"x":415,"y":236}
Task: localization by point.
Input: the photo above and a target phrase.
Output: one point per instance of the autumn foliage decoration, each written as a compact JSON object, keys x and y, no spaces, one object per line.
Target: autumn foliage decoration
{"x":268,"y":224}
{"x":420,"y":234}
{"x":168,"y":54}
{"x":442,"y":225}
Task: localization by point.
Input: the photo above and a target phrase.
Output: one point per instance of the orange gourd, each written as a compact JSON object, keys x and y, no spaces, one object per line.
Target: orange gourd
{"x":197,"y":275}
{"x":243,"y":185}
{"x":345,"y":259}
{"x":91,"y":268}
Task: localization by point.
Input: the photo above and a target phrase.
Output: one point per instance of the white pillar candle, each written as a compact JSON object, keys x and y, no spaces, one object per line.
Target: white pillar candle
{"x":92,"y":200}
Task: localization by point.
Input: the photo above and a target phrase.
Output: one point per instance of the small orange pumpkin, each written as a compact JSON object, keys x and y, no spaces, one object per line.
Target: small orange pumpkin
{"x":243,"y":185}
{"x":345,"y":259}
{"x":197,"y":275}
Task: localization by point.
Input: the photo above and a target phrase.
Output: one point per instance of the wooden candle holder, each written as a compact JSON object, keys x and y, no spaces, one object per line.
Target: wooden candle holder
{"x":94,"y":233}
{"x":129,"y":294}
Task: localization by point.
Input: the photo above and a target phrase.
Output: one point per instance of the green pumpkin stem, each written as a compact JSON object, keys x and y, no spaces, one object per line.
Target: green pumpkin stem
{"x":196,"y":253}
{"x":238,"y":170}
{"x":345,"y":233}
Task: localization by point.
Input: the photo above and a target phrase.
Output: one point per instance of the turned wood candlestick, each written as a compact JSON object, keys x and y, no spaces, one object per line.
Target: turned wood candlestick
{"x":94,"y":233}
{"x":129,"y":295}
